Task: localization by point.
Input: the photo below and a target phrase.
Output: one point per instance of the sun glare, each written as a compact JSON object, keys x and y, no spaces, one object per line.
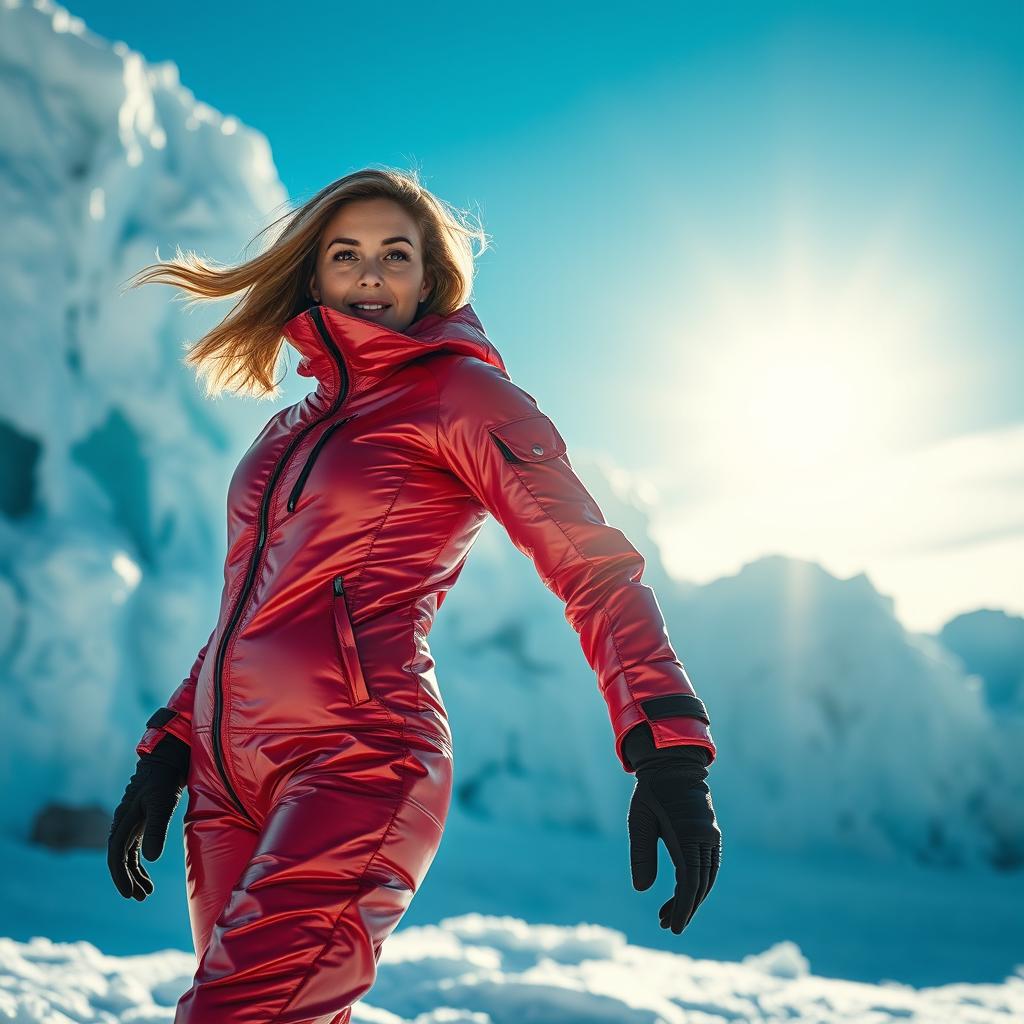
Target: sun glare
{"x":782,"y":414}
{"x":808,"y":377}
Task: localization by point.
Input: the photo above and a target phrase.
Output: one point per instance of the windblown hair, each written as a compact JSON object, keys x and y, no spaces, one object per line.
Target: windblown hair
{"x":240,"y":354}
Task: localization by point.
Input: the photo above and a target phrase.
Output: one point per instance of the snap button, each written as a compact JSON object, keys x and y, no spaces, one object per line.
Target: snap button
{"x":537,"y":450}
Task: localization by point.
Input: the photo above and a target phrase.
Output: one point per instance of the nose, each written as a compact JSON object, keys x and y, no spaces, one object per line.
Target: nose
{"x":369,"y":275}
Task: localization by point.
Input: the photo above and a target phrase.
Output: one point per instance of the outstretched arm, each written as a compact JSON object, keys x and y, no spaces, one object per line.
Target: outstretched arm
{"x":493,"y":437}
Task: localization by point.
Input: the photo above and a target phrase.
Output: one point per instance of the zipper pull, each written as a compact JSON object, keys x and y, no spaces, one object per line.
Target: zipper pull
{"x":339,"y":586}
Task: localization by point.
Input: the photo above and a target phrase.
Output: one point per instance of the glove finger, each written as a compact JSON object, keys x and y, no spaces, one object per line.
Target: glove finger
{"x":643,"y":844}
{"x":143,"y":883}
{"x":665,"y":913}
{"x":117,"y":848}
{"x":136,"y":873}
{"x":716,"y":863}
{"x":702,"y":880}
{"x":687,"y":883}
{"x":158,"y":819}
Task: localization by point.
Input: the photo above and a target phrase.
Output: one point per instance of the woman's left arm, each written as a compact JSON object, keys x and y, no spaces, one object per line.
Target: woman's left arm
{"x":492,"y":435}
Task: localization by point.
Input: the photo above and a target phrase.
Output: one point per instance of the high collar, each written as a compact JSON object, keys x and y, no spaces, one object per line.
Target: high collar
{"x":370,"y":352}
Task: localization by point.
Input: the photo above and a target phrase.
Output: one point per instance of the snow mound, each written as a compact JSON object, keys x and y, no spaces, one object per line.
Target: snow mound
{"x":476,"y":969}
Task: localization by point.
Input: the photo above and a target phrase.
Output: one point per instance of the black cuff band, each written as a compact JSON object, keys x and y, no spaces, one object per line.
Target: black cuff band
{"x":160,"y":718}
{"x":641,"y":752}
{"x":672,"y":704}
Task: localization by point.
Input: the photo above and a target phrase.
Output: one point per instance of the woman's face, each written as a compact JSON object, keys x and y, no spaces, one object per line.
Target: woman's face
{"x":371,"y":251}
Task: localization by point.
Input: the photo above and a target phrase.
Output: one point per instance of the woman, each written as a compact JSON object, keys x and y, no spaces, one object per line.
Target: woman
{"x":311,"y":732}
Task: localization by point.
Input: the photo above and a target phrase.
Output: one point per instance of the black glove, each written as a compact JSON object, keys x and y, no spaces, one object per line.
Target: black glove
{"x":145,"y":810}
{"x":672,"y":800}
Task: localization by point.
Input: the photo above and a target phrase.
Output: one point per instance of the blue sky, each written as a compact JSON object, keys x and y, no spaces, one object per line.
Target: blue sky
{"x":765,"y":258}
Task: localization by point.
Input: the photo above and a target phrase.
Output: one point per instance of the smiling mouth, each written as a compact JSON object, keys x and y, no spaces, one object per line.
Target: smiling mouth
{"x":371,"y":307}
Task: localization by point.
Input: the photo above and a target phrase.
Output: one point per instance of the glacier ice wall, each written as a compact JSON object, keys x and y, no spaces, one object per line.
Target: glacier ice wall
{"x":113,"y":465}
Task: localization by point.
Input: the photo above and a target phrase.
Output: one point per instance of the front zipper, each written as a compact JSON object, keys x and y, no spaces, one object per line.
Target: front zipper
{"x":293,"y":498}
{"x":316,"y":316}
{"x":347,"y":643}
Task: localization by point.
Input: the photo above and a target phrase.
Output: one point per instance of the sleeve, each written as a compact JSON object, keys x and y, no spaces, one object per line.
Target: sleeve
{"x":492,"y":436}
{"x":176,"y":717}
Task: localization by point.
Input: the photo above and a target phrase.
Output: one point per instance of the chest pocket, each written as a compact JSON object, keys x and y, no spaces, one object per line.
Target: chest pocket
{"x":293,"y":498}
{"x":530,"y":439}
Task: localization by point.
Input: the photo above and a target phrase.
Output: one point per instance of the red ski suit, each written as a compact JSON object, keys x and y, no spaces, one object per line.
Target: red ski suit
{"x":321,"y":768}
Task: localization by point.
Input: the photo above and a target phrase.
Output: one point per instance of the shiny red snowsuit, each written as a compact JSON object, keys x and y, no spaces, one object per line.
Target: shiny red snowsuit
{"x":321,"y":768}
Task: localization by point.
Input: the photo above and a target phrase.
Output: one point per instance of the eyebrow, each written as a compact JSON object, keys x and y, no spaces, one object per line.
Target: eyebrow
{"x":355,"y":241}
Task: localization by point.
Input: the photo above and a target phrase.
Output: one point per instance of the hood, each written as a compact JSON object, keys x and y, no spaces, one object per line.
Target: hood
{"x":371,"y":352}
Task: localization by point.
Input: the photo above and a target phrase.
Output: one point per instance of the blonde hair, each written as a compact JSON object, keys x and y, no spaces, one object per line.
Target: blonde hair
{"x":241,"y":353}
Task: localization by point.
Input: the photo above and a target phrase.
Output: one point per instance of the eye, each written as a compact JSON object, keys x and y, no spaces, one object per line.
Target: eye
{"x":350,"y":252}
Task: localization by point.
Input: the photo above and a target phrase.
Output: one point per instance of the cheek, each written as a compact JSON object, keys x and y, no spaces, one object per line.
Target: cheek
{"x":407,"y":283}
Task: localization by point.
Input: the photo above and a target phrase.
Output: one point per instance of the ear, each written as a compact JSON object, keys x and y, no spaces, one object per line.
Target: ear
{"x":313,"y":290}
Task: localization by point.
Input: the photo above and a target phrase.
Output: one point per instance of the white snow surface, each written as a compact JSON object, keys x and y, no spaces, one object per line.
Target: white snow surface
{"x":482,"y":969}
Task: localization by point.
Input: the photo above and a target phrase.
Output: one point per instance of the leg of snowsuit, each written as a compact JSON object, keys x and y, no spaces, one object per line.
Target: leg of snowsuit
{"x":348,"y":826}
{"x":218,"y":845}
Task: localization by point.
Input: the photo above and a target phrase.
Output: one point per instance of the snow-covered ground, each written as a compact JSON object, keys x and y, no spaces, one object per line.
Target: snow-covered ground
{"x":896,"y":929}
{"x":777,"y":939}
{"x":482,"y":969}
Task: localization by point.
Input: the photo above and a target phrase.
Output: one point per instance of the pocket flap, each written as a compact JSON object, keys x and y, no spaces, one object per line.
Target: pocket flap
{"x":530,"y":439}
